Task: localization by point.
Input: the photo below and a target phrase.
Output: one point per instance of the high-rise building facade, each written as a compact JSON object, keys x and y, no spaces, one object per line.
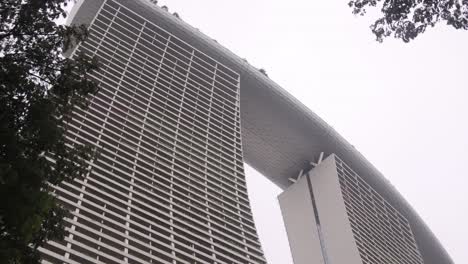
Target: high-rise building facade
{"x":168,"y":185}
{"x":176,"y":117}
{"x":332,"y":215}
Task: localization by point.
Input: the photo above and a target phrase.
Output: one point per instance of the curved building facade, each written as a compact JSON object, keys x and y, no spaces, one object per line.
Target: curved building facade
{"x":175,"y":119}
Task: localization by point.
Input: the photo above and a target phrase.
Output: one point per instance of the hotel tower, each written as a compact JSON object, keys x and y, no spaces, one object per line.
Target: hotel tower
{"x":176,"y":117}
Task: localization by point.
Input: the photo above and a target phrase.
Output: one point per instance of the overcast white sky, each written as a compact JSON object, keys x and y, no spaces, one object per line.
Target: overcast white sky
{"x":404,"y":106}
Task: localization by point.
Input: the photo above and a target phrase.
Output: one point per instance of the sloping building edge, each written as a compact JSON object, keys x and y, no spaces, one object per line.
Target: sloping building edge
{"x":280,"y":135}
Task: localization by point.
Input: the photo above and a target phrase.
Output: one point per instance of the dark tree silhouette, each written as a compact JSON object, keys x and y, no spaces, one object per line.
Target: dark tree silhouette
{"x":38,"y":89}
{"x":406,"y":19}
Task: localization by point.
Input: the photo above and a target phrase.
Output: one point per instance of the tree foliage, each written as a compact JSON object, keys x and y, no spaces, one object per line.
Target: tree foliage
{"x":38,"y":89}
{"x":406,"y":19}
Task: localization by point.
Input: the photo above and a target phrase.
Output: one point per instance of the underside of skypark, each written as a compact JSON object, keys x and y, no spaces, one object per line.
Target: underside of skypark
{"x":280,"y":136}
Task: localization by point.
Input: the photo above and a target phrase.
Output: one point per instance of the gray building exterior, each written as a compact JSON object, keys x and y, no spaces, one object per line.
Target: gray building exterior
{"x":332,"y":215}
{"x":175,"y":120}
{"x":168,"y":185}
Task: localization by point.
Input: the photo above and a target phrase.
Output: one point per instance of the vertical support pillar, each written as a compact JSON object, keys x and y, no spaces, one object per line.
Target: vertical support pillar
{"x":317,"y":225}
